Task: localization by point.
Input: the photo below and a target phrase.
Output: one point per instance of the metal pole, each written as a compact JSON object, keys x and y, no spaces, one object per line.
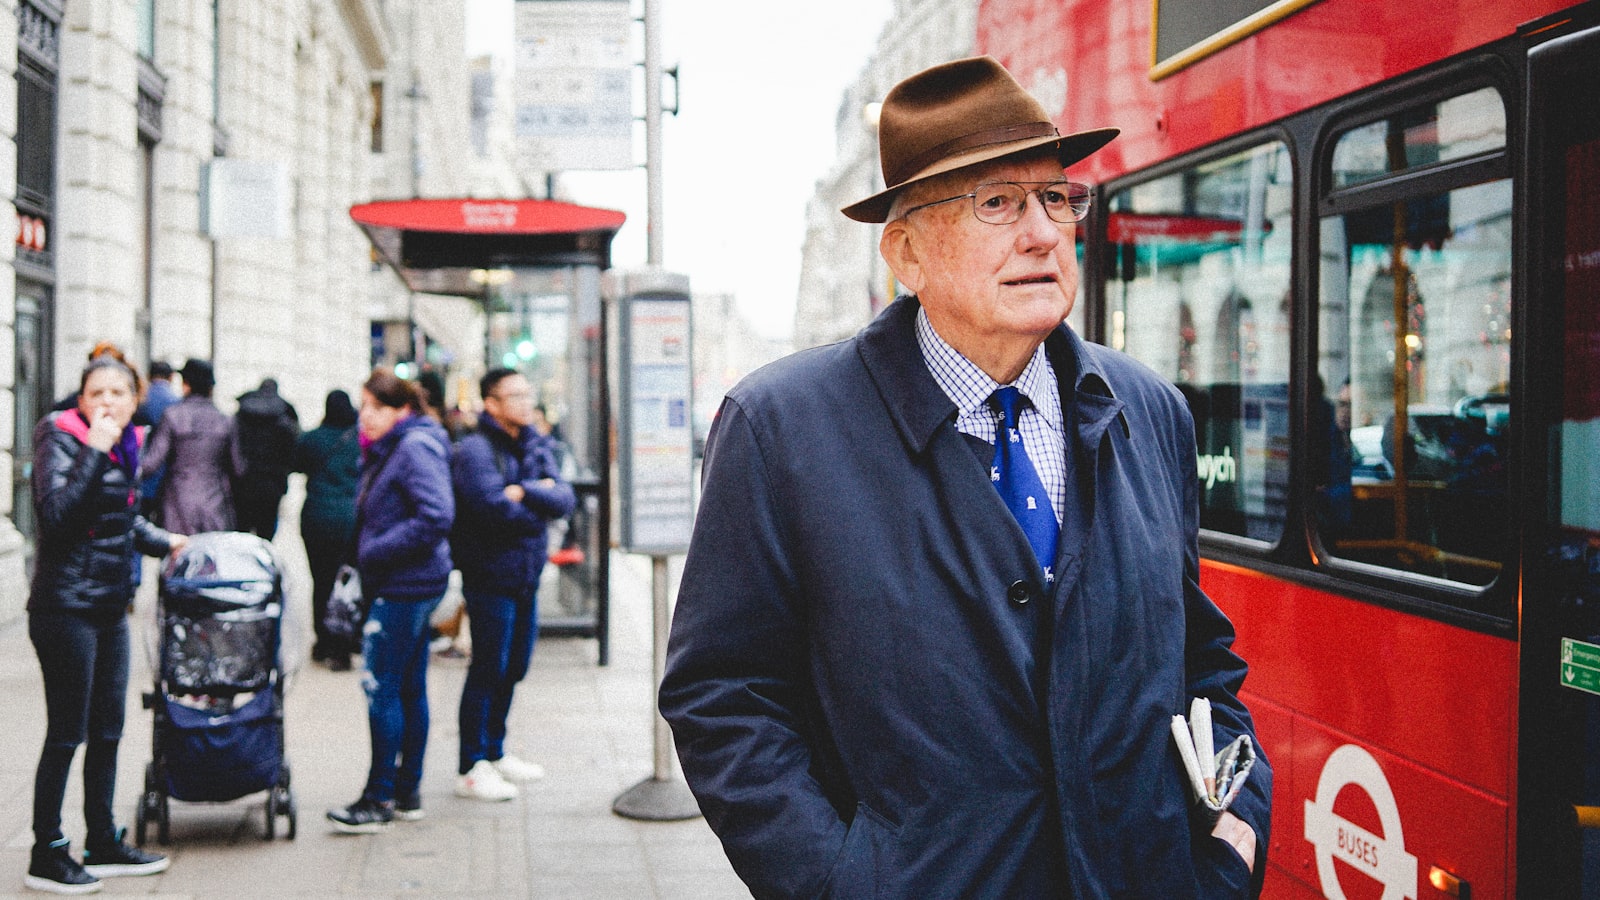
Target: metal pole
{"x":660,"y":797}
{"x":652,"y":130}
{"x":658,"y":593}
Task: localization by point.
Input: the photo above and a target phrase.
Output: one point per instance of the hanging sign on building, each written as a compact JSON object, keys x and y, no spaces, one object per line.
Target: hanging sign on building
{"x":573,"y":86}
{"x":242,"y":198}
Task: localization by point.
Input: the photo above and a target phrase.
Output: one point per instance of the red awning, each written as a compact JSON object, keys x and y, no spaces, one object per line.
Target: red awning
{"x":435,"y":244}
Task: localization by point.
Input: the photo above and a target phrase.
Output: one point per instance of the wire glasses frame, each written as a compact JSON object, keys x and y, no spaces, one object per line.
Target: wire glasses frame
{"x":1003,"y":202}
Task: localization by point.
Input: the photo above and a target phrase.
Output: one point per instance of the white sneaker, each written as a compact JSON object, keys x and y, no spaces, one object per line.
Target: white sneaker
{"x":484,"y":782}
{"x":518,"y":769}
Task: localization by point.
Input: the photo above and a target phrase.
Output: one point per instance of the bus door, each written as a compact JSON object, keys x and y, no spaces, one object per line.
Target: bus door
{"x":1558,"y":822}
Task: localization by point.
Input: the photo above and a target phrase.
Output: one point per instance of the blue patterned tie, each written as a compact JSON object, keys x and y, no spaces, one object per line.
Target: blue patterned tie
{"x":1018,"y":482}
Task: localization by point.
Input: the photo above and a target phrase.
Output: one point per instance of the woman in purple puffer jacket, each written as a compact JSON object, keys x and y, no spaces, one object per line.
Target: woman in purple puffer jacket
{"x":404,"y":511}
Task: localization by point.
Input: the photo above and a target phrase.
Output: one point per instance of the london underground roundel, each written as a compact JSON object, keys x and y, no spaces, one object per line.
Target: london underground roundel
{"x":1380,"y":857}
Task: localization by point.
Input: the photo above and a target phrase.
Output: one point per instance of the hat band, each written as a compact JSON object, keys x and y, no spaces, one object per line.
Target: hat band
{"x":971,"y":141}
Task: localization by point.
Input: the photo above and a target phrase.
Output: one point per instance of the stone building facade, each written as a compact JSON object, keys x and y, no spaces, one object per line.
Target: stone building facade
{"x":181,"y":174}
{"x":843,"y":281}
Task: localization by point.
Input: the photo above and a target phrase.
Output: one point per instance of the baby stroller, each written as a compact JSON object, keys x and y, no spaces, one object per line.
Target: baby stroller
{"x":219,"y":685}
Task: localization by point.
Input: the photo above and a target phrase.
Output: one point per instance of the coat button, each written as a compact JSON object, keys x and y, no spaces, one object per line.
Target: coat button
{"x":1019,"y":592}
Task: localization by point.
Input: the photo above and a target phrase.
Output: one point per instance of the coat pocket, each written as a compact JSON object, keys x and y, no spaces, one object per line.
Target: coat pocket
{"x":864,"y":861}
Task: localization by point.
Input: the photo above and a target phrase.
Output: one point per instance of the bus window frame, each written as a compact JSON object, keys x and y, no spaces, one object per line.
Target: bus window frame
{"x":1490,"y":606}
{"x":1311,"y":136}
{"x":1105,"y":271}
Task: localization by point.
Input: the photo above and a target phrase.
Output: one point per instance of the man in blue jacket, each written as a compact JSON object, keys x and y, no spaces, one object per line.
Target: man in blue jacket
{"x":507,"y":486}
{"x":910,"y":660}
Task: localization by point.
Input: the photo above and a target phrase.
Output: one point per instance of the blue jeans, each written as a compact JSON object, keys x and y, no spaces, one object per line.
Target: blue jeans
{"x":84,"y":660}
{"x":503,"y":633}
{"x":395,"y":647}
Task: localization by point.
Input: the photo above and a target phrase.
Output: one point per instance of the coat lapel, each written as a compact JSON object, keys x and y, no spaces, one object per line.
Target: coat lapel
{"x":1088,"y":409}
{"x":924,"y":417}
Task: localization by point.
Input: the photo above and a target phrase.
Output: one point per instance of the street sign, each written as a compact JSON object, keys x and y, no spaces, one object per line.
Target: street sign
{"x":1580,"y":665}
{"x":574,"y":84}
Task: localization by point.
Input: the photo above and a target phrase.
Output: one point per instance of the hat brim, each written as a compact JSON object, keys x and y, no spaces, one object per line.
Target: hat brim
{"x":1070,"y":149}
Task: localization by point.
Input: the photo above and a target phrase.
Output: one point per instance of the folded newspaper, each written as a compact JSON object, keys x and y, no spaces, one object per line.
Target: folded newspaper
{"x":1214,"y":777}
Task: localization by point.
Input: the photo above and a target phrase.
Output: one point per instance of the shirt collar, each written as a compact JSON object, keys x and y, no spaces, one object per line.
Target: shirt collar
{"x":969,"y":387}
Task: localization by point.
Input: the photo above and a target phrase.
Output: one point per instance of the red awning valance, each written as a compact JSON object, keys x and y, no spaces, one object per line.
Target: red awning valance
{"x":487,"y":216}
{"x":435,"y":244}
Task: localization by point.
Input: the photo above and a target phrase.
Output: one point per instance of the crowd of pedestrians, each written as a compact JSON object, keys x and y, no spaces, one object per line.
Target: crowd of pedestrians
{"x":124,"y":470}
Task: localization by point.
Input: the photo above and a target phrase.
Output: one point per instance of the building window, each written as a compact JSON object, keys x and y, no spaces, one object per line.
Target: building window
{"x":147,"y":29}
{"x":376,"y":125}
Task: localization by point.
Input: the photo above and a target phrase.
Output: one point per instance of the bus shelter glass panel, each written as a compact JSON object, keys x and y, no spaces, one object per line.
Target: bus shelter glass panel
{"x":546,"y":324}
{"x":1415,"y":327}
{"x":1199,"y":291}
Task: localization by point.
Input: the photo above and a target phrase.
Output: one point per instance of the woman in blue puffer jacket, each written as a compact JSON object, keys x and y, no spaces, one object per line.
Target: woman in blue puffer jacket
{"x":89,"y":538}
{"x":404,"y":511}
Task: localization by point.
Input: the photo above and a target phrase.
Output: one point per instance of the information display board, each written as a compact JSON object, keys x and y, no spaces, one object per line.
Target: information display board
{"x":656,"y":462}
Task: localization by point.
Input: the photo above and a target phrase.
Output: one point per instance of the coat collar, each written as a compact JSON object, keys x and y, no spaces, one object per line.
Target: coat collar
{"x":888,"y":349}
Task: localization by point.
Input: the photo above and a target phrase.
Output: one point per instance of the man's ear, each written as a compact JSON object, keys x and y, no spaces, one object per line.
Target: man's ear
{"x":898,"y":246}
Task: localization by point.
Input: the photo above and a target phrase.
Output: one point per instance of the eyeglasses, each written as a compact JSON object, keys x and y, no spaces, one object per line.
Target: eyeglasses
{"x":1003,"y":202}
{"x":517,"y":397}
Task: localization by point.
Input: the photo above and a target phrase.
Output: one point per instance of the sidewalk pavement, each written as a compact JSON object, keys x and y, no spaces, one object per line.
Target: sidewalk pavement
{"x":589,"y":726}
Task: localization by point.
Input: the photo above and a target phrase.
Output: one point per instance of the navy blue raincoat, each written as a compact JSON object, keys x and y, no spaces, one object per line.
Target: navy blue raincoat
{"x":873,"y":691}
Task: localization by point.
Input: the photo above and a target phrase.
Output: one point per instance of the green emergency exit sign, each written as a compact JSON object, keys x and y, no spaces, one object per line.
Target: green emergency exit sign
{"x":1580,"y":665}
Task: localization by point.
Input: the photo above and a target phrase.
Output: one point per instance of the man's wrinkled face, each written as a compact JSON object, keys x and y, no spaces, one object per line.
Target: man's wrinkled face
{"x":983,"y":283}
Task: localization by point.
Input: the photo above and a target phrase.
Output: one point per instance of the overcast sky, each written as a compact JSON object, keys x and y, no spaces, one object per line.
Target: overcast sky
{"x":761,"y":84}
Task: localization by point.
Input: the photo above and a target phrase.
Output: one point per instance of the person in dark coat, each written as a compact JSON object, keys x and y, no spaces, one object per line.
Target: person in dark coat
{"x":158,"y":398}
{"x":196,"y":444}
{"x":508,"y":487}
{"x":911,"y":661}
{"x":404,"y":511}
{"x":330,"y":457}
{"x":267,"y":427}
{"x":89,"y":536}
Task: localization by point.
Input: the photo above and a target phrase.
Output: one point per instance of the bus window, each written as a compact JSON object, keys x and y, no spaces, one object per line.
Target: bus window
{"x":1415,"y":313}
{"x":1200,"y":293}
{"x":1441,"y":132}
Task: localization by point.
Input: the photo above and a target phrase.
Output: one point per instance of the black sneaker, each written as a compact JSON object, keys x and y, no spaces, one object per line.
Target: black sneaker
{"x":408,"y":809}
{"x":119,"y":859}
{"x":54,"y":871}
{"x":364,"y":816}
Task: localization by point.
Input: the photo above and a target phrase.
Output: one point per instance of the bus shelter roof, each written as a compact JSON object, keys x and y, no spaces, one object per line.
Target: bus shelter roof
{"x":445,"y":246}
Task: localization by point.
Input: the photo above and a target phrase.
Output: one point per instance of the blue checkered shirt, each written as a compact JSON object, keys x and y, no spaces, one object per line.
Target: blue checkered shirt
{"x":969,"y":388}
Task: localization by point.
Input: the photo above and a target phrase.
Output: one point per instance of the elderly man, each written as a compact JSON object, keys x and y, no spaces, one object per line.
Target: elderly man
{"x":912,"y":661}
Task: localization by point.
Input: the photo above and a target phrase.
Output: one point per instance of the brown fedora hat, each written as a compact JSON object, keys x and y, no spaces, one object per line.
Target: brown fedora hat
{"x":957,"y":114}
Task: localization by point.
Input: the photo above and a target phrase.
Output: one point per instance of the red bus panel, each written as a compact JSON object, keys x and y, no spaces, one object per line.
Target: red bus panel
{"x":1089,"y":62}
{"x":1391,"y":738}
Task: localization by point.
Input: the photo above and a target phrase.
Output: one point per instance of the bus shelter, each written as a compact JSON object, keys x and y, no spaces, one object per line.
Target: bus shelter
{"x":535,"y":265}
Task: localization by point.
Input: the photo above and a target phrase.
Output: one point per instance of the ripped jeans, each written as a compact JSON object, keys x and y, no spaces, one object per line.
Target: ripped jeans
{"x":395,"y":647}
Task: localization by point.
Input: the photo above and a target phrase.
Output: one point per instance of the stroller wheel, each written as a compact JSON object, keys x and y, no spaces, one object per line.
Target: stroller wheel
{"x":141,"y":819}
{"x":272,"y":814}
{"x":293,"y":820}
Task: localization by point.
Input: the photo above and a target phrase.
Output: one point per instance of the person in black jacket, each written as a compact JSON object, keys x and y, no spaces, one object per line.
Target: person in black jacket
{"x":89,"y":535}
{"x":507,"y":486}
{"x":267,"y":427}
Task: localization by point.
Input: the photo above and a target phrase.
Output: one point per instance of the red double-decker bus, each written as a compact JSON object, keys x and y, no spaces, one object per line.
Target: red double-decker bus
{"x":1363,"y":237}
